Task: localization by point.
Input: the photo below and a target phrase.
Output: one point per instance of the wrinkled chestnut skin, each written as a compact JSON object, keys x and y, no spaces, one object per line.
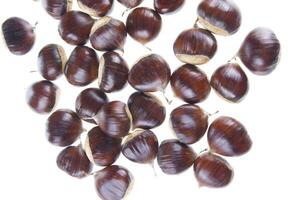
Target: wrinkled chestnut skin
{"x":75,"y":27}
{"x":175,"y":157}
{"x":147,"y":111}
{"x":57,"y":8}
{"x":95,"y":8}
{"x":189,"y":123}
{"x":150,"y":74}
{"x":195,"y":46}
{"x":167,"y":6}
{"x":260,"y":51}
{"x":190,"y":84}
{"x":212,"y":171}
{"x":19,"y":35}
{"x":113,"y":72}
{"x":143,"y":24}
{"x":230,"y":82}
{"x":102,"y":149}
{"x":130,"y":3}
{"x":51,"y":61}
{"x":141,"y":147}
{"x":221,"y":17}
{"x":81,"y":68}
{"x":41,"y":96}
{"x":228,"y":137}
{"x":113,"y":182}
{"x":63,"y":127}
{"x":74,"y":161}
{"x":89,"y":102}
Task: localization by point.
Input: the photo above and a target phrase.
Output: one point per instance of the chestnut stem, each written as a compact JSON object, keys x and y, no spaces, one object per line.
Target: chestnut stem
{"x":152,"y":164}
{"x":212,"y":114}
{"x":148,"y":48}
{"x":204,"y":150}
{"x":35,"y":25}
{"x":33,"y":71}
{"x":165,"y":97}
{"x":195,"y":25}
{"x":127,"y":10}
{"x":234,"y":58}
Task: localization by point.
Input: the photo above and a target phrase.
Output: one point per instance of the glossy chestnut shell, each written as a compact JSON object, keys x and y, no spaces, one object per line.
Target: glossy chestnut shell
{"x":57,"y":8}
{"x":167,"y":6}
{"x":130,"y":3}
{"x":95,"y":8}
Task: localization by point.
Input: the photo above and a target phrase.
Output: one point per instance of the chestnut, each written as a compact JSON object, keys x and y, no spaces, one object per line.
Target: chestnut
{"x":260,"y":51}
{"x":150,"y":74}
{"x":81,"y":68}
{"x":113,"y":182}
{"x":189,"y":123}
{"x":75,"y":27}
{"x":108,"y":34}
{"x":147,"y":111}
{"x":57,"y":8}
{"x":195,"y":46}
{"x":230,"y":82}
{"x":113,"y":72}
{"x":51,"y":61}
{"x":167,"y":6}
{"x":63,"y":127}
{"x":89,"y":102}
{"x":143,"y":24}
{"x":19,"y":35}
{"x":228,"y":137}
{"x":74,"y":161}
{"x":95,"y":8}
{"x":102,"y":149}
{"x":221,"y":17}
{"x":212,"y":171}
{"x":130,"y":3}
{"x":42,"y":96}
{"x":175,"y":157}
{"x":190,"y":84}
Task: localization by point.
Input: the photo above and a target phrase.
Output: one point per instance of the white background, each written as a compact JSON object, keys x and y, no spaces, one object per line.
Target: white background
{"x":271,"y":113}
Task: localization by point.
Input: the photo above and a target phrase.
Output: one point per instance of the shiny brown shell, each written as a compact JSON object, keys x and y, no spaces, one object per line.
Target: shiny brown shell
{"x":167,"y":6}
{"x":95,"y":8}
{"x":130,"y":3}
{"x":57,"y":8}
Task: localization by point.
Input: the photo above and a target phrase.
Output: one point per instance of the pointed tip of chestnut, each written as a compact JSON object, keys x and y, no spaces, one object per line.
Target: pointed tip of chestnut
{"x":130,"y":3}
{"x":167,"y":6}
{"x":57,"y":8}
{"x":95,"y":8}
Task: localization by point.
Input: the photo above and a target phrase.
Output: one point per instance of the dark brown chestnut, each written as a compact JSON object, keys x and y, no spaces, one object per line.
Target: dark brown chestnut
{"x":89,"y":102}
{"x":150,"y":74}
{"x":190,"y":84}
{"x":41,"y":96}
{"x":113,"y":182}
{"x":108,"y":34}
{"x":146,"y":110}
{"x":260,"y":51}
{"x":113,"y":118}
{"x":212,"y":170}
{"x":143,"y":24}
{"x":19,"y":35}
{"x":57,"y":8}
{"x":74,"y":161}
{"x":101,"y":148}
{"x":113,"y":72}
{"x":81,"y":68}
{"x":130,"y":3}
{"x":175,"y":157}
{"x":167,"y":6}
{"x":95,"y":8}
{"x":189,"y":123}
{"x":195,"y":46}
{"x":230,"y":82}
{"x":141,"y":146}
{"x":51,"y":61}
{"x":63,"y":127}
{"x":75,"y":27}
{"x":228,"y":137}
{"x":221,"y":17}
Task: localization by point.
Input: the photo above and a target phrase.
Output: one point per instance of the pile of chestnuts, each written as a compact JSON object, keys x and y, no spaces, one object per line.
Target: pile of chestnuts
{"x":127,"y":127}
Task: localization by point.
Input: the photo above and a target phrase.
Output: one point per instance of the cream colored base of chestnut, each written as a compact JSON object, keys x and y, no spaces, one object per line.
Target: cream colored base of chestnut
{"x":193,"y":59}
{"x":69,"y":5}
{"x":63,"y":56}
{"x":99,"y":23}
{"x":101,"y":70}
{"x":212,"y":28}
{"x":86,"y":9}
{"x":88,"y":150}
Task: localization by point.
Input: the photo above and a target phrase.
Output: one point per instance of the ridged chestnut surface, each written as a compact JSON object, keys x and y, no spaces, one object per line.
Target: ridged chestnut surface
{"x":130,"y":3}
{"x":57,"y":8}
{"x":95,"y":8}
{"x":167,"y":6}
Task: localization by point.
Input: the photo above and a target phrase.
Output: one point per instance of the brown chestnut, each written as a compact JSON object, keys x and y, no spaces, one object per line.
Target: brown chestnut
{"x":190,"y":84}
{"x":230,"y":82}
{"x":63,"y":127}
{"x":51,"y":61}
{"x":212,"y":171}
{"x":113,"y":72}
{"x":74,"y":161}
{"x":41,"y":96}
{"x":57,"y":8}
{"x":130,"y":3}
{"x":89,"y":102}
{"x":175,"y":157}
{"x":75,"y":27}
{"x":19,"y":35}
{"x":81,"y":68}
{"x":228,"y":137}
{"x":167,"y":6}
{"x":189,"y":123}
{"x":108,"y":34}
{"x":260,"y":51}
{"x":150,"y":74}
{"x":221,"y":17}
{"x":95,"y":8}
{"x":143,"y":24}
